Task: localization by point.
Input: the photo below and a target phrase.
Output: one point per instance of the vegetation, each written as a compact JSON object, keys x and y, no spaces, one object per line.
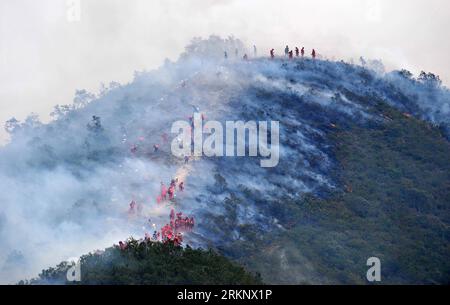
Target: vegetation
{"x":394,"y":204}
{"x":144,"y":263}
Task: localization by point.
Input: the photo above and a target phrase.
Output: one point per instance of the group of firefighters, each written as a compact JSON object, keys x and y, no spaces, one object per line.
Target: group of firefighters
{"x":134,"y":207}
{"x":287,"y":52}
{"x":169,"y":193}
{"x":290,"y":53}
{"x":181,"y":223}
{"x":171,"y":232}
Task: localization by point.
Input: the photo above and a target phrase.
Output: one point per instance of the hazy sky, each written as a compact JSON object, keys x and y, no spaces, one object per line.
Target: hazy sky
{"x":46,"y":53}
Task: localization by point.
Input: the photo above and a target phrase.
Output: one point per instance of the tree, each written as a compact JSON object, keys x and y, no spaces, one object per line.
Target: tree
{"x":82,"y":98}
{"x":12,"y":125}
{"x":430,"y":79}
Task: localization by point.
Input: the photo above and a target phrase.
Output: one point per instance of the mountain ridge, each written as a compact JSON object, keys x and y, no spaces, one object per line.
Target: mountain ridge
{"x":69,"y":182}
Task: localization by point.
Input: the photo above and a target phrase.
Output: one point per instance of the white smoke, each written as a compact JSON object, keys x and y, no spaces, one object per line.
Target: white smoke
{"x":65,"y":186}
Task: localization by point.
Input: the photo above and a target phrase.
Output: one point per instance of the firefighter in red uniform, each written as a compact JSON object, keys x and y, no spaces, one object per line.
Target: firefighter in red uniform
{"x":178,"y":239}
{"x":163,"y":191}
{"x":122,"y":245}
{"x":171,"y":192}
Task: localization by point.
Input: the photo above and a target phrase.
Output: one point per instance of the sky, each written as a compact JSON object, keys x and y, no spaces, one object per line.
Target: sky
{"x":50,"y":48}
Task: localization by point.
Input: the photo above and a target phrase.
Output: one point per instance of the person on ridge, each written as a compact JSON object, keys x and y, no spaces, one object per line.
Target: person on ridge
{"x":313,"y":54}
{"x":303,"y":51}
{"x":297,"y":51}
{"x":272,"y":53}
{"x":291,"y":54}
{"x":286,"y":51}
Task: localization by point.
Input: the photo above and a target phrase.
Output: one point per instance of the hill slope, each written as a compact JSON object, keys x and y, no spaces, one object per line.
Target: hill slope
{"x":363,"y":155}
{"x":149,"y":263}
{"x":394,"y":205}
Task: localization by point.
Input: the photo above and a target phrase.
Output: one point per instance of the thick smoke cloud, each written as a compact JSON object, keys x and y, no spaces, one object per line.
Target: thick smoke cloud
{"x":65,"y":186}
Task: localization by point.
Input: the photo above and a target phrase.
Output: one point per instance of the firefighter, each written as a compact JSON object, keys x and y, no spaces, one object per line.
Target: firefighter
{"x":155,"y":235}
{"x":171,"y":192}
{"x":163,"y":191}
{"x":132,"y":206}
{"x":313,"y":54}
{"x":178,"y":239}
{"x":303,"y":51}
{"x":272,"y":53}
{"x":173,"y":183}
{"x":165,"y":137}
{"x":297,"y":52}
{"x":181,"y":186}
{"x":286,"y":51}
{"x":291,"y":54}
{"x":225,"y":54}
{"x":245,"y":57}
{"x":122,"y":245}
{"x":155,"y":148}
